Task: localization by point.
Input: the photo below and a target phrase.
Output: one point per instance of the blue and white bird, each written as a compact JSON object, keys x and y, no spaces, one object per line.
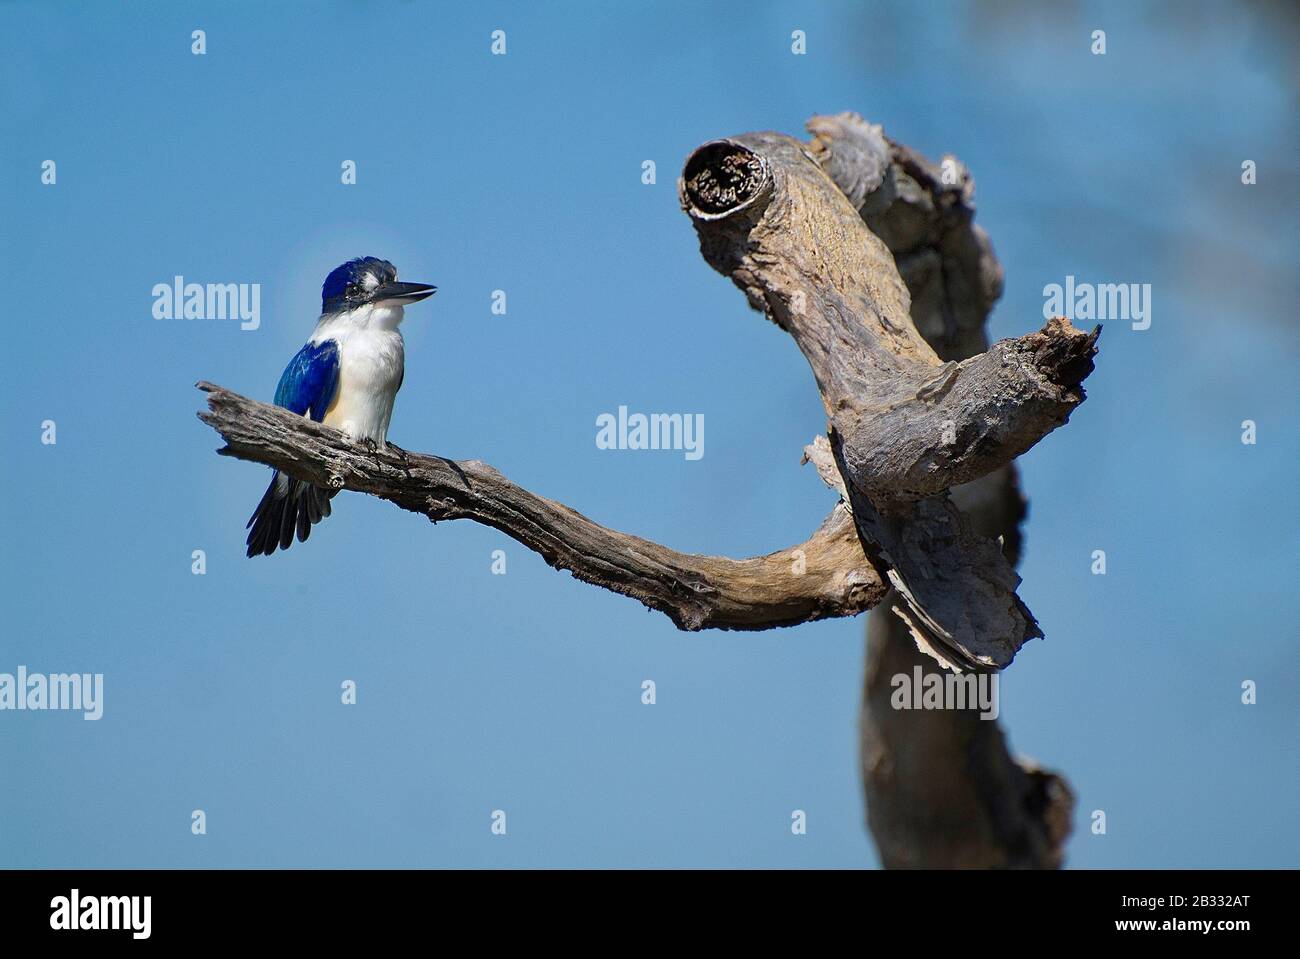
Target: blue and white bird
{"x":346,"y":376}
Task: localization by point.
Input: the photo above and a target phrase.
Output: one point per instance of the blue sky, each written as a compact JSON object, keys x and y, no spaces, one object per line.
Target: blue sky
{"x":523,"y":173}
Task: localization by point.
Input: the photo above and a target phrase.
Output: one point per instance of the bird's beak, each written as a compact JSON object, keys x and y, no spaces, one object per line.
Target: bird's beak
{"x":399,"y":294}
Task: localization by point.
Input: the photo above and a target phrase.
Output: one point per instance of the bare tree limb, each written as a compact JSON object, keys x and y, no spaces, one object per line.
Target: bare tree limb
{"x":827,"y":576}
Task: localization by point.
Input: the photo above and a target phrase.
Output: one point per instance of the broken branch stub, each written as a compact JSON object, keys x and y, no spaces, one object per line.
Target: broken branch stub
{"x":771,"y":219}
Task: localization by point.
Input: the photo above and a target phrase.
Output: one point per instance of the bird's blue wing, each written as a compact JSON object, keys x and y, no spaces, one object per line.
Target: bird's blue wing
{"x":310,"y":380}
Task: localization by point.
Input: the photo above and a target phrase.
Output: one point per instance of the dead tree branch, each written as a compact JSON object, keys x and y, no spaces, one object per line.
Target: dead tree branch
{"x":867,"y":255}
{"x":905,"y":426}
{"x":827,"y":576}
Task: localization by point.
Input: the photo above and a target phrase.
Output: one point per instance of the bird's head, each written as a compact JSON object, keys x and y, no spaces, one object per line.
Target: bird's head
{"x":368,"y":287}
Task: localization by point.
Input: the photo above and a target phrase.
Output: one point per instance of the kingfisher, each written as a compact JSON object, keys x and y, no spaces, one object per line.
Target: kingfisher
{"x":346,"y":376}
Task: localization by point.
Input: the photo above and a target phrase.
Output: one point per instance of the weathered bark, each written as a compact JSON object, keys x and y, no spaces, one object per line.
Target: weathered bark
{"x":942,"y":789}
{"x":827,"y":576}
{"x":909,"y":425}
{"x":905,"y":426}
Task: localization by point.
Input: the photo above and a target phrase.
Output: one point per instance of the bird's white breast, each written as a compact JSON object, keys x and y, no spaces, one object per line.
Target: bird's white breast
{"x":371,"y":358}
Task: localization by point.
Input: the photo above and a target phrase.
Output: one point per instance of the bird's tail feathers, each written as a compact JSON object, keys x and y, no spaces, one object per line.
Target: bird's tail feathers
{"x":287,"y":506}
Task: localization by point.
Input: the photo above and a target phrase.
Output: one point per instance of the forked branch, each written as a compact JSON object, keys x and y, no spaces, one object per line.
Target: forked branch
{"x":905,"y":426}
{"x":867,"y":255}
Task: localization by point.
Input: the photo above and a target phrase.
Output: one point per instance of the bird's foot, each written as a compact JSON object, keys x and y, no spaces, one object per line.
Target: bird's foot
{"x":372,"y":447}
{"x":402,"y":455}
